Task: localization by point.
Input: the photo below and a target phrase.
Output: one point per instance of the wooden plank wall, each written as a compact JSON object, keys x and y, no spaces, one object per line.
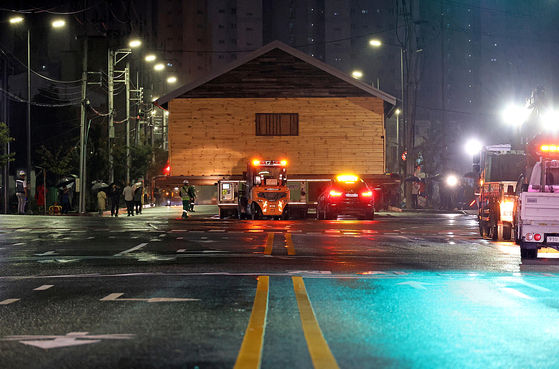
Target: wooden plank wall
{"x":217,"y":136}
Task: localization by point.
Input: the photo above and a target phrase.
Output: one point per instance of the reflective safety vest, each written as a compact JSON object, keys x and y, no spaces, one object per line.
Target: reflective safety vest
{"x":186,"y":193}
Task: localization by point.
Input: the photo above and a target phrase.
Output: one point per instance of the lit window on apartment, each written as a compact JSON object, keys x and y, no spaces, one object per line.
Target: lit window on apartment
{"x":336,"y":14}
{"x":493,"y":59}
{"x":364,"y":11}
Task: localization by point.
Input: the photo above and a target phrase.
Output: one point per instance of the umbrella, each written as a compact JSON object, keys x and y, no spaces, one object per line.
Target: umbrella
{"x":413,"y":179}
{"x":99,"y":186}
{"x":64,"y":181}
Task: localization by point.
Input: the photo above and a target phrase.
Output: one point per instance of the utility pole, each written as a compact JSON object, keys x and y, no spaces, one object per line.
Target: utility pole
{"x":83,"y":142}
{"x":111,"y":113}
{"x":6,"y":172}
{"x":29,"y":109}
{"x":127,"y":82}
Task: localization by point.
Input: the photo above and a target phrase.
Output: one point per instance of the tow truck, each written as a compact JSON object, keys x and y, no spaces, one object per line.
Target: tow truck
{"x":536,"y":210}
{"x":264,"y":192}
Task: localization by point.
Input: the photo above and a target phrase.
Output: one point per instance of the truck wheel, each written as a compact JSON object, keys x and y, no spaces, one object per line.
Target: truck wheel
{"x":507,"y":232}
{"x":255,"y":212}
{"x":319,"y":215}
{"x":328,"y":215}
{"x":481,"y":230}
{"x":221,"y":214}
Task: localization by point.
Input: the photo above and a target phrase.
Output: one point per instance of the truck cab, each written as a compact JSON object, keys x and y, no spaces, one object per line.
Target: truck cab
{"x":264,"y":194}
{"x":536,"y":213}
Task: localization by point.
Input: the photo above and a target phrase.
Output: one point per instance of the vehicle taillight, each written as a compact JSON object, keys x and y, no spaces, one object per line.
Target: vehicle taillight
{"x":335,"y":193}
{"x":537,"y":237}
{"x":529,"y":237}
{"x":367,"y":194}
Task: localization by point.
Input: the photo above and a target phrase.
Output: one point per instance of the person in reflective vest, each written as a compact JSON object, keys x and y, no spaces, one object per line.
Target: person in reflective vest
{"x":187,"y":195}
{"x":21,"y":192}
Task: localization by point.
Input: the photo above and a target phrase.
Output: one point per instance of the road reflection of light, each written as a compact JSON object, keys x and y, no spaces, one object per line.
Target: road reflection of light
{"x":452,"y":243}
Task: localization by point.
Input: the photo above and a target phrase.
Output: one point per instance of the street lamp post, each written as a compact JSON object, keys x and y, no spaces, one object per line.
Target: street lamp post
{"x":55,"y":24}
{"x":115,"y":56}
{"x":408,"y":171}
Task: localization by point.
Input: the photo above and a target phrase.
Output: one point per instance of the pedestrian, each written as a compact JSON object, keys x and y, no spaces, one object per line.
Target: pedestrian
{"x":193,"y":198}
{"x":114,"y":195}
{"x":101,"y":201}
{"x":40,"y":198}
{"x":414,"y":193}
{"x":21,"y":193}
{"x":187,"y":195}
{"x":65,"y":200}
{"x":138,"y":193}
{"x":128,"y":193}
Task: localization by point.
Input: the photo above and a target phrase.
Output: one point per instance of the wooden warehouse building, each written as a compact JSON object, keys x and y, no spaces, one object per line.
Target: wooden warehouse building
{"x":276,"y":103}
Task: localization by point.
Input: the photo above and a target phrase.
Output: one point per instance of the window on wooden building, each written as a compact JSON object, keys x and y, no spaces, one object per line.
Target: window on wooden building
{"x":274,"y":124}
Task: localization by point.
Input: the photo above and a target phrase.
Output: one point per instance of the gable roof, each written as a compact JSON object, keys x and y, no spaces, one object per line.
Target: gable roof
{"x":276,"y":70}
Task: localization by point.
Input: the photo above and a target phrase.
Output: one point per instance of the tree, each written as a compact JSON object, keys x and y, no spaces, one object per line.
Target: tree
{"x":58,"y":162}
{"x":4,"y":139}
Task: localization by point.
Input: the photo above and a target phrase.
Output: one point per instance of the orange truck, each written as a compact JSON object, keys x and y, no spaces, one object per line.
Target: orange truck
{"x":264,"y":193}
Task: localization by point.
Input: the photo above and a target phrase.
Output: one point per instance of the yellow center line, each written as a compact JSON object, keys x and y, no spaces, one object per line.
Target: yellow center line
{"x":250,"y":354}
{"x":269,"y":244}
{"x":289,"y":241}
{"x":321,"y":355}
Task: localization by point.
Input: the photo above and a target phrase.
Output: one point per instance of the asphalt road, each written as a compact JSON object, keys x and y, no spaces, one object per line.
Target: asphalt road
{"x":419,"y":290}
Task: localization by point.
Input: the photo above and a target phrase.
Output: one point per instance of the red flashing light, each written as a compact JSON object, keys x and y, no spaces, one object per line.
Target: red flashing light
{"x":256,"y":162}
{"x":549,"y":148}
{"x":167,"y":170}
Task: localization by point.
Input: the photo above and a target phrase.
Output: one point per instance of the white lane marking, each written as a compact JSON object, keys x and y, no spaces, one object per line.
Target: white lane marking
{"x":217,"y":230}
{"x":43,"y":287}
{"x":180,"y":238}
{"x":70,"y":339}
{"x":8,"y":301}
{"x":47,"y":253}
{"x":131,"y":250}
{"x":115,"y":297}
{"x":533,"y":286}
{"x":162,"y":235}
{"x":181,"y":250}
{"x":516,"y":293}
{"x":416,"y":285}
{"x":19,"y":244}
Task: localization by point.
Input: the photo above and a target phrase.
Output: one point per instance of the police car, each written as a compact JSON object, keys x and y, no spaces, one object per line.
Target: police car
{"x":346,"y":195}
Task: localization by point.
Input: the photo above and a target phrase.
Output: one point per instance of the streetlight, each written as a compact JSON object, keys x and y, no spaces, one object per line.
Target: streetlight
{"x":409,"y":163}
{"x":17,"y":20}
{"x":159,"y":67}
{"x":115,"y":56}
{"x":150,"y":57}
{"x":357,"y":74}
{"x":473,"y":147}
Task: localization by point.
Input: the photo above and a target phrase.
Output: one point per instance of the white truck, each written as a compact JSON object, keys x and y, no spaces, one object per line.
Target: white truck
{"x":536,"y":211}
